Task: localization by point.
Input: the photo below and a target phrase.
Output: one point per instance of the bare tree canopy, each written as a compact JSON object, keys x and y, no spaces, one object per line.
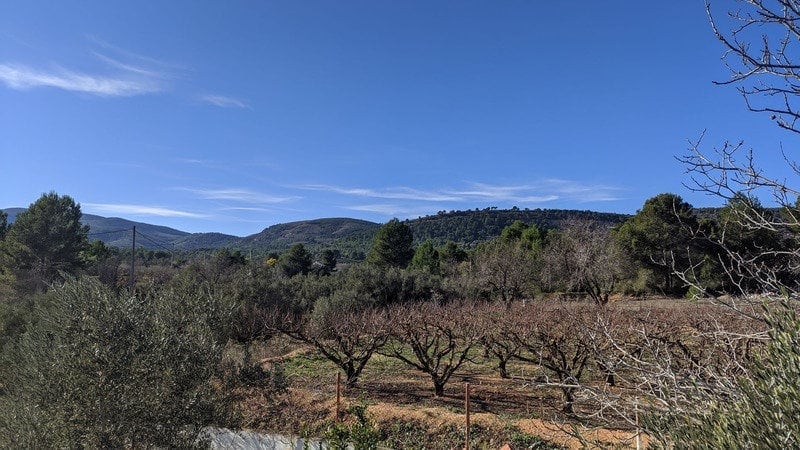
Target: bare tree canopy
{"x":760,"y":38}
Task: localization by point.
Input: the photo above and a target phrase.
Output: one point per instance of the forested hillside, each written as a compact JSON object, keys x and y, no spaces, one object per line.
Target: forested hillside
{"x":199,"y":241}
{"x":473,"y":226}
{"x":116,"y":232}
{"x":350,"y":237}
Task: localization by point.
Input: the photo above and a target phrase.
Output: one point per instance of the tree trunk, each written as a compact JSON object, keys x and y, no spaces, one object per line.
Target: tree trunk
{"x":569,"y":399}
{"x":352,"y":377}
{"x":610,"y":380}
{"x":502,"y":367}
{"x":438,"y":388}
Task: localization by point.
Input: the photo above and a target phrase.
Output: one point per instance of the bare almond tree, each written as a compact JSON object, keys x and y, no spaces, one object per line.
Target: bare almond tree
{"x":761,"y":39}
{"x":583,"y":256}
{"x":506,"y":268}
{"x":440,"y":339}
{"x":555,"y":337}
{"x":499,"y":325}
{"x":666,"y":361}
{"x":346,"y":338}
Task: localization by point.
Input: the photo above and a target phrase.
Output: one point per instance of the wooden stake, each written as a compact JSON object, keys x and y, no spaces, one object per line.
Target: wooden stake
{"x":338,"y":395}
{"x":636,"y":412}
{"x":133,"y":256}
{"x":466,"y":408}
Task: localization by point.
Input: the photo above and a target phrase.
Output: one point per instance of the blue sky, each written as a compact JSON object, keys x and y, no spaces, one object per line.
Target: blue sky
{"x":233,"y":116}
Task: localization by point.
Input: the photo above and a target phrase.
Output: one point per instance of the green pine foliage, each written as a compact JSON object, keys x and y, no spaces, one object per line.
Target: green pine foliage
{"x":297,"y":260}
{"x":426,"y":258}
{"x":392,"y":246}
{"x":45,"y":241}
{"x":658,"y":237}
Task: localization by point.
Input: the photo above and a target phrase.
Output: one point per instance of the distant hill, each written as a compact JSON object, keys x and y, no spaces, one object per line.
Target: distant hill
{"x":351,"y":237}
{"x":116,"y":232}
{"x":473,"y":226}
{"x":199,"y":241}
{"x":12,"y":213}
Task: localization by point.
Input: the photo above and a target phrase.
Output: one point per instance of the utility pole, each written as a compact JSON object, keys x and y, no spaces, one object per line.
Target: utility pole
{"x":133,"y":256}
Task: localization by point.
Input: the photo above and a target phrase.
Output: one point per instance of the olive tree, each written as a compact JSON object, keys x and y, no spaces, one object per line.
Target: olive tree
{"x":104,"y":370}
{"x":764,"y":409}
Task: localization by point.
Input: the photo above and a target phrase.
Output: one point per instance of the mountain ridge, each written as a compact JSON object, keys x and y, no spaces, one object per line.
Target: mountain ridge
{"x":351,"y":237}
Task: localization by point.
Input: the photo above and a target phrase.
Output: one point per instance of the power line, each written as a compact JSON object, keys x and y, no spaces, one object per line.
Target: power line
{"x":99,"y":233}
{"x":154,"y":242}
{"x":133,"y":258}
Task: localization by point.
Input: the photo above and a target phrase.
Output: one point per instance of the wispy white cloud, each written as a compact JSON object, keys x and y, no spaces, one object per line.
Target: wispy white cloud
{"x":139,"y":210}
{"x":386,"y":209}
{"x":586,"y":192}
{"x":398,"y":193}
{"x":240,"y":168}
{"x":247,"y":208}
{"x":21,"y":77}
{"x":523,"y":194}
{"x":199,"y":162}
{"x":129,"y":68}
{"x":138,"y":59}
{"x":240,"y":195}
{"x":224,"y":101}
{"x":121,"y":74}
{"x":541,"y":191}
{"x":538,"y":192}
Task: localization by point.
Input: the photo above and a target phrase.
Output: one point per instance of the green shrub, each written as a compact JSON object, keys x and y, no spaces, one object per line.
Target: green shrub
{"x":101,"y":370}
{"x":362,"y":433}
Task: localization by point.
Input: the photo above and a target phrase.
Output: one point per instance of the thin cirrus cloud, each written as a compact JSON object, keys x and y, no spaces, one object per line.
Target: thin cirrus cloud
{"x":542,"y":191}
{"x":138,"y":210}
{"x":398,"y":193}
{"x":129,"y":68}
{"x":224,"y":101}
{"x":122,"y":74}
{"x":240,"y":195}
{"x":21,"y":77}
{"x":247,"y":209}
{"x":391,"y":209}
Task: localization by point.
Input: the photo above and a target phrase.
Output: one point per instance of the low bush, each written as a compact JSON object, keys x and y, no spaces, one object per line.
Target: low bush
{"x":101,"y":370}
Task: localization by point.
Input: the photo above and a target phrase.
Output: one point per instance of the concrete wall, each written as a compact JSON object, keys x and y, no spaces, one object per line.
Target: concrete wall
{"x":223,"y":438}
